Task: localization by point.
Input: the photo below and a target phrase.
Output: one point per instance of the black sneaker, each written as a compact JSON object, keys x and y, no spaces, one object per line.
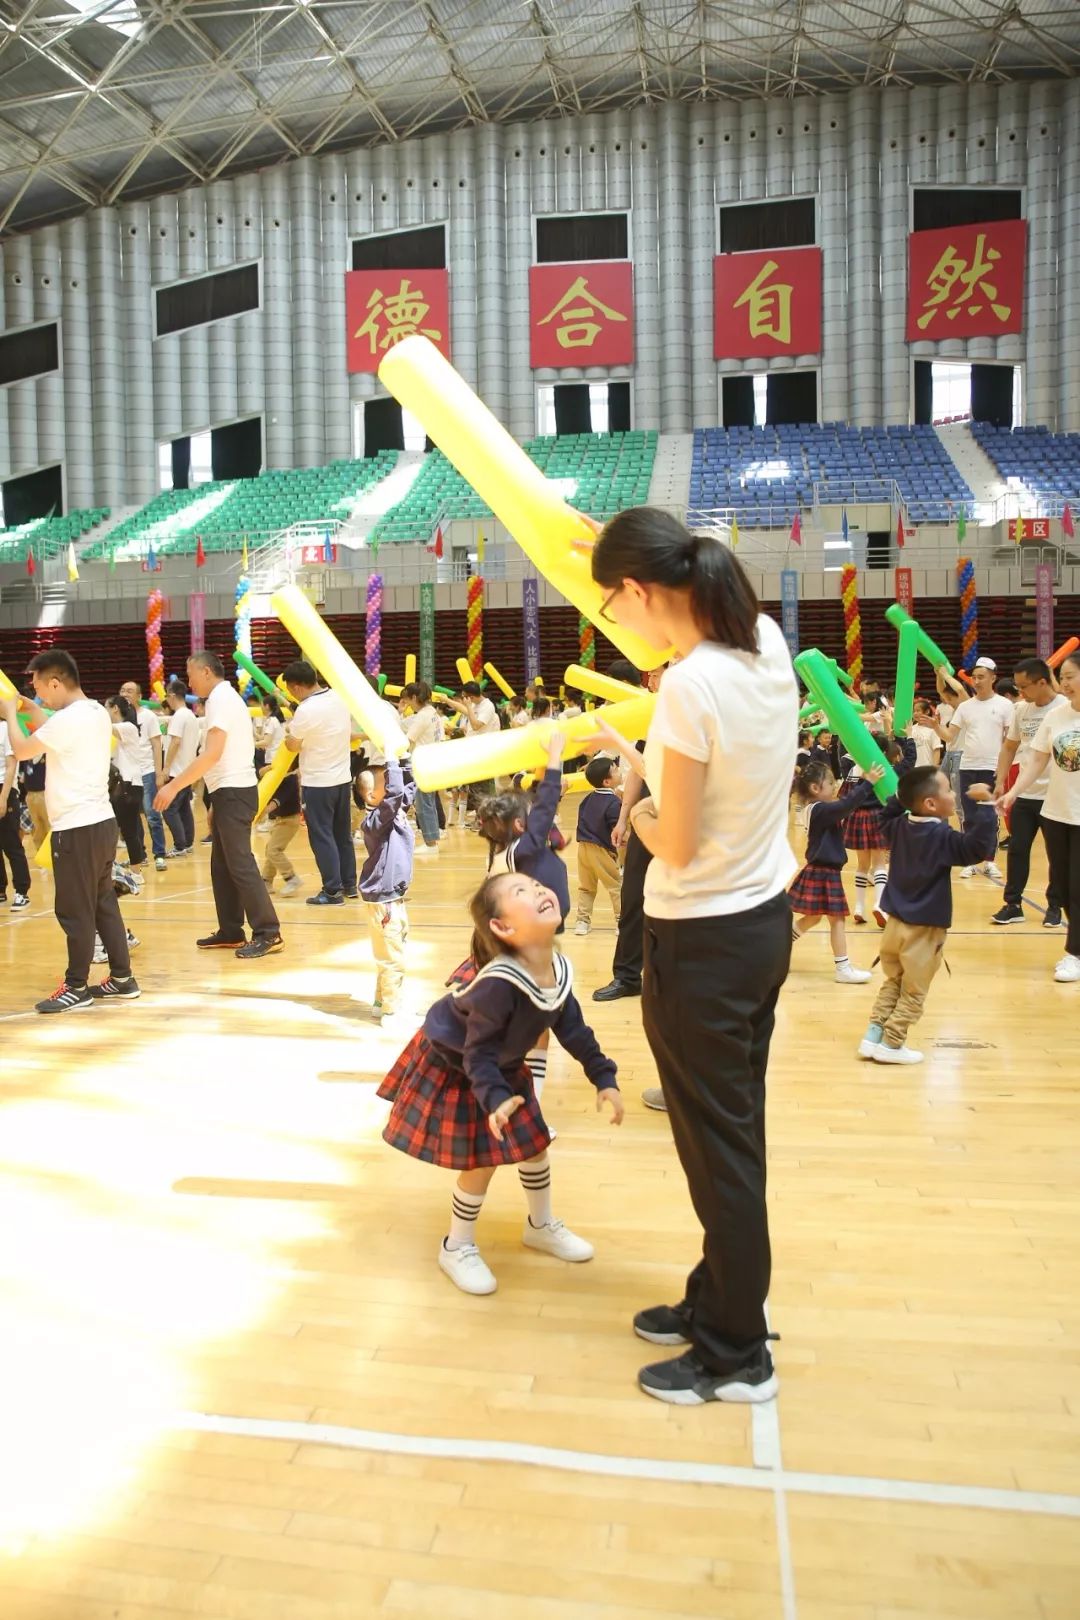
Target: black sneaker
{"x":687,"y":1381}
{"x":324,"y":899}
{"x":1008,"y":914}
{"x":219,"y":942}
{"x":616,"y":990}
{"x":111,"y":989}
{"x":68,"y":998}
{"x":1052,"y":918}
{"x":21,"y":902}
{"x":261,"y":947}
{"x":350,"y":894}
{"x":663,"y":1324}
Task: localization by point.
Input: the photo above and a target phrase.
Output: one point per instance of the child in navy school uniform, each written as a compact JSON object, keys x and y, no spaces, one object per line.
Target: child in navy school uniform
{"x":465,"y":1092}
{"x":818,"y":890}
{"x":518,"y":834}
{"x":387,"y":791}
{"x":598,"y":863}
{"x":864,"y":831}
{"x":918,"y":899}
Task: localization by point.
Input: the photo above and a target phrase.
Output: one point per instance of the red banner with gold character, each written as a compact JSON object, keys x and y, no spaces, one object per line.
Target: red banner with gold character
{"x":767,"y":303}
{"x":967,"y":281}
{"x":581,"y":314}
{"x":384,"y":306}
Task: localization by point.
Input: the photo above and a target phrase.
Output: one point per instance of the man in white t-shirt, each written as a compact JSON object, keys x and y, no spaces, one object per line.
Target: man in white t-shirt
{"x":322,"y":729}
{"x":150,"y":765}
{"x":481,"y":716}
{"x":979,"y":726}
{"x":77,"y":742}
{"x":228,"y":764}
{"x":1037,"y":699}
{"x":182,"y":744}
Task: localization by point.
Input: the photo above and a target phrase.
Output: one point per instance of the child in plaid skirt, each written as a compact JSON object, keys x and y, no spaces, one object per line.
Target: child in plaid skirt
{"x":465,"y":1092}
{"x":818,"y":890}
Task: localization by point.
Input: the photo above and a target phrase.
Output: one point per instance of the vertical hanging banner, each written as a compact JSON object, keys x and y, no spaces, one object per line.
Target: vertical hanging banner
{"x":197,"y":618}
{"x":966,"y":281}
{"x":581,"y":314}
{"x":530,"y":612}
{"x":767,"y":303}
{"x":384,"y":306}
{"x":789,"y":608}
{"x":903,"y":590}
{"x":1044,"y":610}
{"x":427,"y":633}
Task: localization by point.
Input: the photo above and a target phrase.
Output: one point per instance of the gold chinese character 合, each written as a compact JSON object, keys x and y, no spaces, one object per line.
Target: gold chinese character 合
{"x":403,"y":314}
{"x":579,"y":328}
{"x":770,"y":307}
{"x":953,"y":274}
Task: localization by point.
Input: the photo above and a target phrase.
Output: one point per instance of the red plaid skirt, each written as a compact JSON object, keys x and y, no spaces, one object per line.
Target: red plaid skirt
{"x":436,"y":1117}
{"x":818,"y":891}
{"x":864,"y":829}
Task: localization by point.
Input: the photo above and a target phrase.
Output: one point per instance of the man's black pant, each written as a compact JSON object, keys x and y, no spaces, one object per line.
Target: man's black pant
{"x":1063,"y":848}
{"x":709,"y":1003}
{"x":329,"y":826}
{"x":11,"y":844}
{"x":85,"y":900}
{"x":239,"y":891}
{"x":180,"y":820}
{"x":1024,"y":823}
{"x":629,"y":949}
{"x":968,"y":779}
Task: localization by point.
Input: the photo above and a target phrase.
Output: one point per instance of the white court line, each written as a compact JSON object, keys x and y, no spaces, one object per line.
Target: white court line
{"x":765,"y":1450}
{"x":734,"y":1476}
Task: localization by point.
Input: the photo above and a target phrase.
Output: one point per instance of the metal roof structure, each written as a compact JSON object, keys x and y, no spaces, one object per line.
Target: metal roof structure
{"x":104,"y":100}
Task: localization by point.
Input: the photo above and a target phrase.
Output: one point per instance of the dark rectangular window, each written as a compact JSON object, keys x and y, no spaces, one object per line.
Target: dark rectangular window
{"x":935,"y":208}
{"x":570,"y":237}
{"x":791,"y":396}
{"x":750,"y":227}
{"x":35,"y":495}
{"x":207,"y":298}
{"x":29,"y":354}
{"x":422,"y":249}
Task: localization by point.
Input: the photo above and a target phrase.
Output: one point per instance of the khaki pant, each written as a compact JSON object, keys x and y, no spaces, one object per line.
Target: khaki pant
{"x":35,"y":803}
{"x":282,"y":832}
{"x":388,"y":926}
{"x":910,"y":957}
{"x":596,"y":866}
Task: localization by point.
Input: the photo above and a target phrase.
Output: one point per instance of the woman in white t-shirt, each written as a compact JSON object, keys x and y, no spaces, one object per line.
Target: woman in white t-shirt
{"x":271,"y":730}
{"x":423,"y":724}
{"x":1056,"y":746}
{"x":128,"y":794}
{"x":719,"y":759}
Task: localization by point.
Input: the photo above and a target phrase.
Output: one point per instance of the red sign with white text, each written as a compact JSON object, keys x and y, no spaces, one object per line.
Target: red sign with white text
{"x":767,"y":303}
{"x":1034,"y":528}
{"x":384,"y":306}
{"x":966,"y":281}
{"x":581,"y":314}
{"x":905,"y":594}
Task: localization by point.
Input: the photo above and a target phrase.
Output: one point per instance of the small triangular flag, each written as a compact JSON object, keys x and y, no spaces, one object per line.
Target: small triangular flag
{"x":843,"y":522}
{"x":73,"y":567}
{"x":480,"y":549}
{"x":200,"y":554}
{"x":244,"y":558}
{"x":328,"y":548}
{"x":112,"y":559}
{"x":900,"y":528}
{"x":438,"y":541}
{"x":961,"y":526}
{"x":734,"y":531}
{"x":31,"y":565}
{"x":1067,"y":525}
{"x":1019,"y":530}
{"x":796,"y":528}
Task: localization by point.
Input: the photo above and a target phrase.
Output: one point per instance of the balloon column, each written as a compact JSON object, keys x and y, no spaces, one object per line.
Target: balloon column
{"x":586,"y":643}
{"x":242,"y":631}
{"x":373,"y":625}
{"x":474,"y":619}
{"x":155,"y":603}
{"x":969,"y":611}
{"x":852,"y":621}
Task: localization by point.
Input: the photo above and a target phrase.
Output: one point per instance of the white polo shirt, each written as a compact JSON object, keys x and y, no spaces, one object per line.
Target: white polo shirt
{"x":77,"y":742}
{"x":226,"y":711}
{"x":184,"y":726}
{"x":324,"y":725}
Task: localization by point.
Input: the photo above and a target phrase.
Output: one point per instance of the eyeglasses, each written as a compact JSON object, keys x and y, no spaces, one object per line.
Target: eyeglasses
{"x":602,"y":611}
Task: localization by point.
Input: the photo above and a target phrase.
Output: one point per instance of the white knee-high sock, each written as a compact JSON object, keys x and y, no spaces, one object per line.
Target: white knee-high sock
{"x":464,"y":1209}
{"x":881,"y":877}
{"x":536,"y":1060}
{"x":862,"y":883}
{"x":536,"y":1180}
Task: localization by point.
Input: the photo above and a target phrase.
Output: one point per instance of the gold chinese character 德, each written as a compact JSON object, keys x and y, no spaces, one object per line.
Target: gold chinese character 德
{"x":769,"y":307}
{"x":403,"y":314}
{"x":579,"y":328}
{"x":953,"y":274}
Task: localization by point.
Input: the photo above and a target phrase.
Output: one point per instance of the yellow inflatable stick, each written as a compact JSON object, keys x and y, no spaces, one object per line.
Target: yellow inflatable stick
{"x":464,"y":670}
{"x":7,"y":689}
{"x":538,"y":517}
{"x":158,"y":689}
{"x":392,"y":691}
{"x":410,"y":669}
{"x":319,"y":642}
{"x":500,"y":680}
{"x":501,"y":753}
{"x":272,"y":779}
{"x":601,"y":686}
{"x":576,"y":782}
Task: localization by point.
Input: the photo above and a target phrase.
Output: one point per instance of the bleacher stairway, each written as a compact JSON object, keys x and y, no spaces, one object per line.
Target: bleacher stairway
{"x":670,"y":480}
{"x":974,"y":467}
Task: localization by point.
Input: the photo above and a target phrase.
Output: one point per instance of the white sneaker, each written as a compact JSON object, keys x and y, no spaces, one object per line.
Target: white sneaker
{"x":991,"y":869}
{"x":100,"y":953}
{"x":292,"y":885}
{"x":1068,"y":969}
{"x":846,"y":974}
{"x":968,"y":871}
{"x":160,"y":863}
{"x":388,"y":1020}
{"x":870,"y":1041}
{"x":895,"y":1054}
{"x":21,"y":902}
{"x":425,"y":851}
{"x":467,"y":1269}
{"x":557,"y":1239}
{"x":582,"y":928}
{"x":132,"y":941}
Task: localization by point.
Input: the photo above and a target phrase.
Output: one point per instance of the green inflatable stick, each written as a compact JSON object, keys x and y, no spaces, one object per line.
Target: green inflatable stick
{"x":926,"y":645}
{"x":817,"y":675}
{"x":380,"y":682}
{"x":256,"y":674}
{"x":904,"y":697}
{"x":807,"y":710}
{"x":838,"y":670}
{"x":445,"y":691}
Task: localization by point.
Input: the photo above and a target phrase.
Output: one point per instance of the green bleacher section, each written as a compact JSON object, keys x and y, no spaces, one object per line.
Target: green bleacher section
{"x":611,"y":470}
{"x":250,"y":508}
{"x":48,"y":536}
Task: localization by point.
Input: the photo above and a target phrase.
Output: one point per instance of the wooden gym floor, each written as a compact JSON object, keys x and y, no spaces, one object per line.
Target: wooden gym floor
{"x":236,"y":1386}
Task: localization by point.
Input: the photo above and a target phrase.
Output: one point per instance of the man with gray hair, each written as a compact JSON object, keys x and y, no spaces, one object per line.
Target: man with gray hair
{"x":228,"y":764}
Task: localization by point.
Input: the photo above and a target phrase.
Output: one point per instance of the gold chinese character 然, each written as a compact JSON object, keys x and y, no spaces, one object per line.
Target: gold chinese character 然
{"x":579,"y":328}
{"x":770,"y":307}
{"x":953,"y":274}
{"x":403,"y":314}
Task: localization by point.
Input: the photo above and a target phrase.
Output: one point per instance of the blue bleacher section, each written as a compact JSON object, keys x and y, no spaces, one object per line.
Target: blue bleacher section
{"x":1048,"y":463}
{"x":765,"y":473}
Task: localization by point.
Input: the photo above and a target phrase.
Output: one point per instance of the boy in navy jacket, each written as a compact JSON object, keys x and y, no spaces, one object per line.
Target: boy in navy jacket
{"x":597,"y":860}
{"x":918,"y":900}
{"x":387,"y":791}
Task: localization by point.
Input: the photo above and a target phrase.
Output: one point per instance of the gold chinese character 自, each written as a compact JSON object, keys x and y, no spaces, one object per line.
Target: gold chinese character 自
{"x":770,"y":307}
{"x":579,"y":328}
{"x":954,"y":275}
{"x":403,"y":314}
